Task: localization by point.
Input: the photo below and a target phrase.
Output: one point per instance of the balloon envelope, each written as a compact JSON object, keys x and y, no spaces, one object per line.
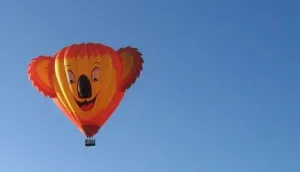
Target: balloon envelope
{"x":86,"y":81}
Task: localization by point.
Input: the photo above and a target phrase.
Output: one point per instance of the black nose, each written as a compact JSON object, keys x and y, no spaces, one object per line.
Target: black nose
{"x":84,"y":87}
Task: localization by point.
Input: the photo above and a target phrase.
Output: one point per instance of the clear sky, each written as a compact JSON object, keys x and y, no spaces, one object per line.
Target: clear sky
{"x":219,"y":92}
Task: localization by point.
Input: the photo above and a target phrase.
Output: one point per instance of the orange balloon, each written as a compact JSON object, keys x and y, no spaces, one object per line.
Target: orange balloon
{"x":87,"y":81}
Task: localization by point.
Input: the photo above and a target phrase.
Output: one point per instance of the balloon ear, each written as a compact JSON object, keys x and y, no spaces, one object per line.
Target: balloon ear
{"x":39,"y":72}
{"x":132,"y":65}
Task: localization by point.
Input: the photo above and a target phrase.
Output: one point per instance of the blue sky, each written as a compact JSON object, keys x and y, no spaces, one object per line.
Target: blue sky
{"x":219,"y":91}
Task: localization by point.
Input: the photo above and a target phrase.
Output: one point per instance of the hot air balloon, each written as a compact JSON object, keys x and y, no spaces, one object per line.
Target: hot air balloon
{"x":87,"y":82}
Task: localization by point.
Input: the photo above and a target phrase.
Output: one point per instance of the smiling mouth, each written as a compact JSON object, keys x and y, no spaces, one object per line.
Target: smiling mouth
{"x":86,"y":105}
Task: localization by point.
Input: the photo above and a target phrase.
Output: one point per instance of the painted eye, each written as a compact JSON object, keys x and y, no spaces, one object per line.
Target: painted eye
{"x":95,"y":74}
{"x":71,"y":77}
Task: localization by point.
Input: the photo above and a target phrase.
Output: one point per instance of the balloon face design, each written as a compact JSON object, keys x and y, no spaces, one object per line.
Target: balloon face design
{"x":87,"y":81}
